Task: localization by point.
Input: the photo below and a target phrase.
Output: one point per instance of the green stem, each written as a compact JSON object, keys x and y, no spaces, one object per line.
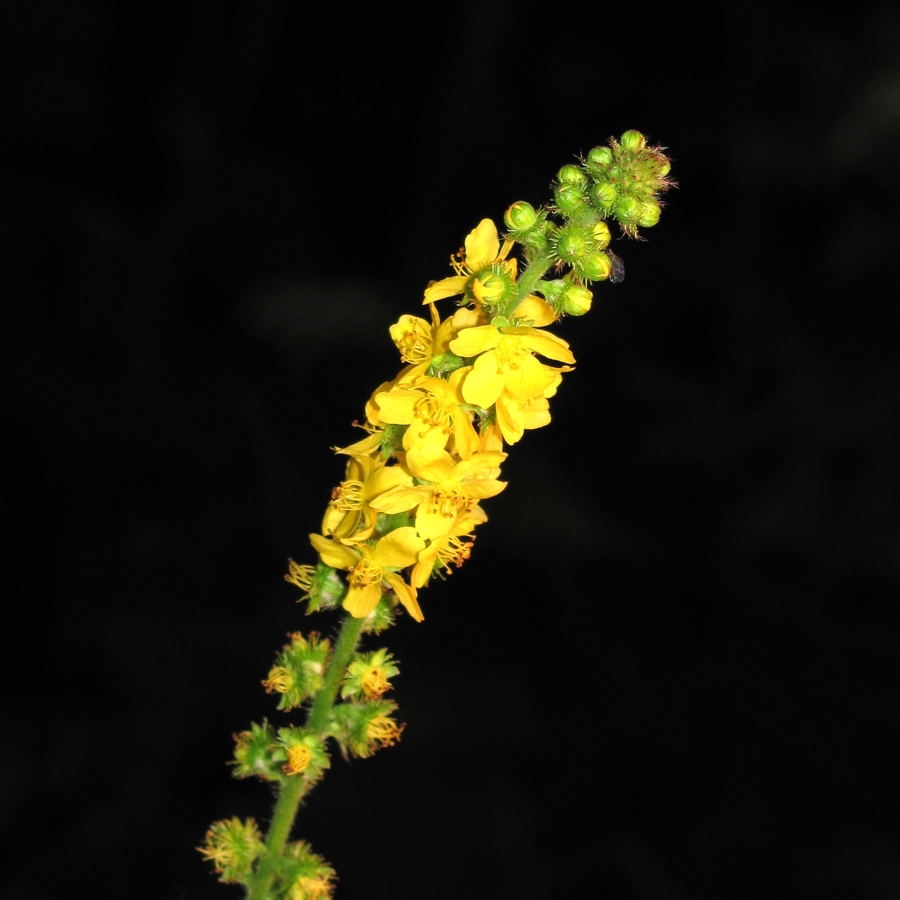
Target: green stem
{"x":527,"y":281}
{"x":292,"y":789}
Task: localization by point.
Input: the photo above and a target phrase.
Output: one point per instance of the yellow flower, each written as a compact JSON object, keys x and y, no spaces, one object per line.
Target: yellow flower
{"x":449,"y":488}
{"x":451,"y":549}
{"x":515,"y":416}
{"x":481,"y":252}
{"x":349,"y":516}
{"x":433,"y":409}
{"x":506,"y":360}
{"x":370,"y":566}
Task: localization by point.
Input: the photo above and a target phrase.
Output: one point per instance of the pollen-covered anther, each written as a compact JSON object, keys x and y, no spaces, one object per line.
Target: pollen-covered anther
{"x":299,"y":758}
{"x":280,"y":680}
{"x":302,"y":576}
{"x":447,"y":502}
{"x":365,"y":573}
{"x":455,"y":552}
{"x":348,"y":496}
{"x":414,"y":346}
{"x":374,"y":684}
{"x":510,"y":353}
{"x":383,"y":730}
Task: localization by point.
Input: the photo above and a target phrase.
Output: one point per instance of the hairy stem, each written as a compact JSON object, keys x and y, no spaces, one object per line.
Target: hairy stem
{"x":293,"y":788}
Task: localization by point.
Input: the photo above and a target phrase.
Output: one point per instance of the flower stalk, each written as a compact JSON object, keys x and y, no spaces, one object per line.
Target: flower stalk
{"x":436,"y":439}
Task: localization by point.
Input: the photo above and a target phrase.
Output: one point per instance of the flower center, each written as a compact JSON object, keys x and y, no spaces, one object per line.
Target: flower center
{"x":365,"y":573}
{"x":414,"y":346}
{"x":374,"y":684}
{"x":348,"y":496}
{"x":299,"y":758}
{"x":510,"y":353}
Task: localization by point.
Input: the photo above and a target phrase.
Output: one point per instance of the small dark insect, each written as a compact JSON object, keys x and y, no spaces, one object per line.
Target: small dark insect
{"x":618,"y":268}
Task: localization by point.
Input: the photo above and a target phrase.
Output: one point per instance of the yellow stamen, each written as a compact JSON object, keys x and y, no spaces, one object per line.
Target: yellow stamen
{"x":280,"y":680}
{"x":299,"y":758}
{"x":302,"y":576}
{"x":384,"y":730}
{"x":374,"y":684}
{"x":365,"y":573}
{"x":348,"y":496}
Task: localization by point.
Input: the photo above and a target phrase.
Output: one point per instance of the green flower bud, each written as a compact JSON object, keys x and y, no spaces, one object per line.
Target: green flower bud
{"x":627,"y":211}
{"x":649,"y":214}
{"x":571,"y":243}
{"x":571,"y":175}
{"x":569,"y":199}
{"x":596,"y":267}
{"x":601,"y":236}
{"x":494,"y":287}
{"x":632,"y":141}
{"x":520,"y":216}
{"x":603,"y":195}
{"x":577,"y":300}
{"x":600,"y":157}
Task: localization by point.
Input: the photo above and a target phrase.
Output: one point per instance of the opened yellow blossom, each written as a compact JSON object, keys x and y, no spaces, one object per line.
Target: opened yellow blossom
{"x":350,"y":516}
{"x":515,"y":416}
{"x":481,"y":252}
{"x":451,"y":549}
{"x":447,"y":489}
{"x":371,"y":566}
{"x":506,"y":360}
{"x":434,"y":410}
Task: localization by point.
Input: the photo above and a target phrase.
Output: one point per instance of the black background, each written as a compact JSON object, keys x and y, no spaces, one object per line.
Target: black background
{"x":670,"y":669}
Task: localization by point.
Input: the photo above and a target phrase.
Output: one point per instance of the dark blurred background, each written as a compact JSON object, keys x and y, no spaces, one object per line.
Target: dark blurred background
{"x":670,"y":670}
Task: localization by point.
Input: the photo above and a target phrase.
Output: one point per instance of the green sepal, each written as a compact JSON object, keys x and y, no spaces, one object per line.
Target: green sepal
{"x":253,"y":753}
{"x":444,"y":364}
{"x":233,"y":846}
{"x":327,"y":588}
{"x":381,"y":618}
{"x":368,"y":676}
{"x":302,"y":874}
{"x":299,"y":670}
{"x":388,"y":522}
{"x":392,"y":440}
{"x":362,"y":728}
{"x":291,"y":737}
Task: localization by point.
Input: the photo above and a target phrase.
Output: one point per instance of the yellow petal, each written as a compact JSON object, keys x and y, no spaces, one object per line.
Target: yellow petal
{"x":529,"y":380}
{"x":537,"y":310}
{"x":482,"y":489}
{"x":482,"y":245}
{"x":401,"y":499}
{"x":543,"y":342}
{"x":430,"y":464}
{"x":484,"y":384}
{"x":472,"y":341}
{"x":338,"y":556}
{"x":396,"y":406}
{"x":360,"y":601}
{"x":446,"y":287}
{"x":398,"y":549}
{"x":405,"y":594}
